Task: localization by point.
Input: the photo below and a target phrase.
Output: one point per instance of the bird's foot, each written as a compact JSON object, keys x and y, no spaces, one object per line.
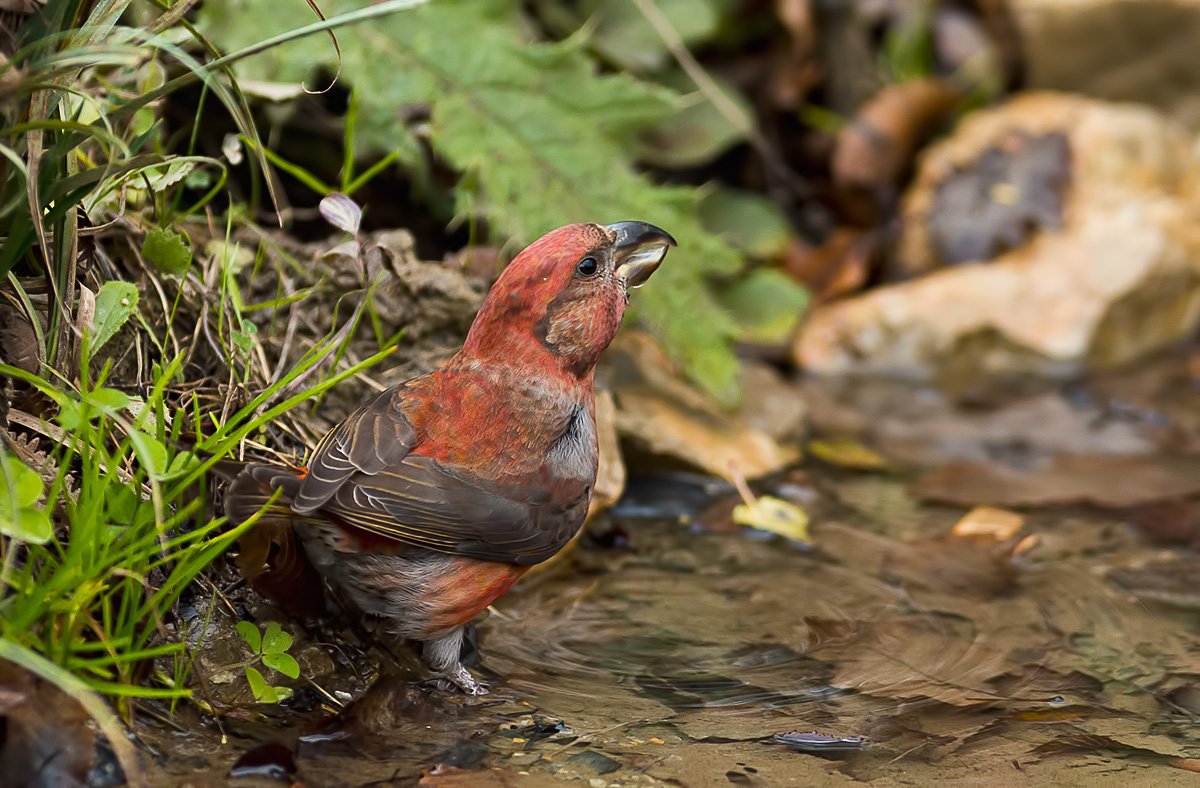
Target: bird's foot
{"x":461,"y":679}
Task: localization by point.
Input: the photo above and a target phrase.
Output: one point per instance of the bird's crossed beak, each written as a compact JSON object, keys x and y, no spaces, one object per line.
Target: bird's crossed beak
{"x":638,"y":249}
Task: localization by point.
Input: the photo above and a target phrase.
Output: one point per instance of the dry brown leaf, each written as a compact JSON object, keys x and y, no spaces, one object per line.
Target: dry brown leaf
{"x":794,"y":70}
{"x":872,"y":151}
{"x":839,"y":266}
{"x":667,"y":421}
{"x":47,"y":740}
{"x":979,"y":567}
{"x":1187,"y":764}
{"x":903,"y":659}
{"x":1169,"y":523}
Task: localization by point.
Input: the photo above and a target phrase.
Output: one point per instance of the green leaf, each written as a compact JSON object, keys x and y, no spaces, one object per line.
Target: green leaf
{"x":244,"y":340}
{"x":697,"y":132}
{"x":767,"y":306}
{"x":69,"y":417}
{"x":747,"y":221}
{"x":275,"y":640}
{"x":181,"y":463}
{"x":120,"y":504}
{"x":250,"y":634}
{"x":167,"y":250}
{"x":109,"y":401}
{"x":542,"y":137}
{"x":624,"y":36}
{"x":29,"y":487}
{"x":284,"y":663}
{"x":258,"y":685}
{"x":20,"y":517}
{"x":29,"y":525}
{"x":115,"y":302}
{"x":150,"y":453}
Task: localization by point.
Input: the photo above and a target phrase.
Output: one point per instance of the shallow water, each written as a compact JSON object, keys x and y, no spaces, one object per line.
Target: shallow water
{"x":677,"y":659}
{"x":665,"y":652}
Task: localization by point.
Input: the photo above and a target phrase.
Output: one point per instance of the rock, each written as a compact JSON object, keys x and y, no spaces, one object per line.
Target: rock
{"x":1107,"y":275}
{"x":1118,"y":50}
{"x":666,"y":423}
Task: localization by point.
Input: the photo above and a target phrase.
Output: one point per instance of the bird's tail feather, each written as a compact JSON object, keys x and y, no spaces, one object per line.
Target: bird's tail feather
{"x":270,"y":555}
{"x":258,"y":486}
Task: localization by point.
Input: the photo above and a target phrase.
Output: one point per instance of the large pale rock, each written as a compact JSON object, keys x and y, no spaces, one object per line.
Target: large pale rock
{"x":1118,"y":50}
{"x":1120,"y":276}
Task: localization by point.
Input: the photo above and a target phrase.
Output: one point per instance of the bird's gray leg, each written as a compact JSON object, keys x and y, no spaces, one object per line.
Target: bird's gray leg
{"x":442,"y":654}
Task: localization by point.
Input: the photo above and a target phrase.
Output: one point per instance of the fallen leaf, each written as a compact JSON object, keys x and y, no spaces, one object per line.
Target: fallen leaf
{"x":1187,"y":764}
{"x":840,"y":265}
{"x":1115,"y":482}
{"x":1172,"y":582}
{"x":907,"y":659}
{"x":979,"y":567}
{"x":999,"y":524}
{"x":775,"y":515}
{"x":794,"y":70}
{"x":772,"y":403}
{"x":1169,"y":523}
{"x":610,"y":473}
{"x":47,"y":739}
{"x":873,"y":149}
{"x":914,"y":425}
{"x":846,"y":453}
{"x":1075,"y":742}
{"x":665,"y":421}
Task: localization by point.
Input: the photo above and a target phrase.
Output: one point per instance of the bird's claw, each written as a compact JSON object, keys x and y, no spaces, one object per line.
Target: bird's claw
{"x":459,"y":678}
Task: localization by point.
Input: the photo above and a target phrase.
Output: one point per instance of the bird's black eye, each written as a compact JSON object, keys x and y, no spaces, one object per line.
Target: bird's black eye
{"x":587,"y":267}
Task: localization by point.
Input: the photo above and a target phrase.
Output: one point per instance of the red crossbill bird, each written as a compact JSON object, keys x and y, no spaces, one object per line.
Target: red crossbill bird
{"x":432,"y":500}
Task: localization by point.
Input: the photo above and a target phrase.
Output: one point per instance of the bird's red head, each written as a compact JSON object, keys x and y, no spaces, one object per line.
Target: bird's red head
{"x":565,"y":295}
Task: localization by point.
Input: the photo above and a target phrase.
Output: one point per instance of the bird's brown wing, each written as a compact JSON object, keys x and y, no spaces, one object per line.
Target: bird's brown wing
{"x":375,"y":437}
{"x":424,"y":504}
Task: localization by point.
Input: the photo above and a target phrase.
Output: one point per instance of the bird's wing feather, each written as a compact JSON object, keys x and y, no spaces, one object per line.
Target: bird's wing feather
{"x":421,"y":503}
{"x":374,"y":437}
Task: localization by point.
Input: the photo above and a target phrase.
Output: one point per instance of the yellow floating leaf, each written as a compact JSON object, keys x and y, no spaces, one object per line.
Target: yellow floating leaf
{"x":775,"y":515}
{"x":847,"y":453}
